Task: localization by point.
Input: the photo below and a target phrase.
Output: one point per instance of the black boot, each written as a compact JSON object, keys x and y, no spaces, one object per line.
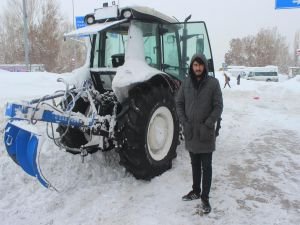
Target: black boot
{"x":206,"y":208}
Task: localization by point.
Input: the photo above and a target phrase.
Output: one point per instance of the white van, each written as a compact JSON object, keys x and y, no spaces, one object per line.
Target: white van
{"x":267,"y":73}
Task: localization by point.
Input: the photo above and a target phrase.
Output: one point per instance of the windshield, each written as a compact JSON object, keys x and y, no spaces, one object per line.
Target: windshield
{"x":167,"y":47}
{"x":108,"y":47}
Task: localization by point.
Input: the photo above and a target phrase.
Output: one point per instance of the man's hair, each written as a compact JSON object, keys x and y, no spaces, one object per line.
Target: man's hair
{"x":199,"y":60}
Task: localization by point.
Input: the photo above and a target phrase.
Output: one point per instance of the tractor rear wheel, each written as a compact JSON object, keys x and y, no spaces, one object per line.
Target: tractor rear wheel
{"x":151,"y":130}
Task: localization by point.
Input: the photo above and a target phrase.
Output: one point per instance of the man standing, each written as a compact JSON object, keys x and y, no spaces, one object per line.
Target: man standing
{"x":199,"y":105}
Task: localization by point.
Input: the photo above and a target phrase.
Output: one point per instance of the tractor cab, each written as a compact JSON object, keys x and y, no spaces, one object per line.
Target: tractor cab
{"x":145,"y":35}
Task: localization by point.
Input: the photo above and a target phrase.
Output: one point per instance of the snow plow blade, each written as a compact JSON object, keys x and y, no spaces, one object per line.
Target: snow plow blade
{"x":23,"y":147}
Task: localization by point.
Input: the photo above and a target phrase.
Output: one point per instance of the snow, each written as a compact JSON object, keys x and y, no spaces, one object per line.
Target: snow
{"x":79,"y":75}
{"x":3,"y":71}
{"x":13,"y":85}
{"x":92,"y":29}
{"x":132,"y":72}
{"x":256,"y":172}
{"x":134,"y":69}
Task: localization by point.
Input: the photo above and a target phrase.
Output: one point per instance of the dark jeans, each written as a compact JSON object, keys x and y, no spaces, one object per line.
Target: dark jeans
{"x":201,"y":167}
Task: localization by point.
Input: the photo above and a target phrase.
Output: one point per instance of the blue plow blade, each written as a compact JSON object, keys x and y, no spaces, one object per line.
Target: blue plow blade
{"x":23,"y":147}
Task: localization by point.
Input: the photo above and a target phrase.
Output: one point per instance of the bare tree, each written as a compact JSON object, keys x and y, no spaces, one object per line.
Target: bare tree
{"x":296,"y":47}
{"x":12,"y":34}
{"x":235,"y":54}
{"x":47,"y":37}
{"x":66,"y":53}
{"x":248,"y":50}
{"x":2,"y":44}
{"x":46,"y":28}
{"x":268,"y":47}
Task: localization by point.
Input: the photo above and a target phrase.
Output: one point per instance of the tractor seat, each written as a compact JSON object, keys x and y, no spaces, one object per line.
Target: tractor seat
{"x":117,"y":60}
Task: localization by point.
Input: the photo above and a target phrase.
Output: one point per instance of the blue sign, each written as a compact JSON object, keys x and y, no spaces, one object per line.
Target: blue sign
{"x":80,"y":22}
{"x":286,"y":4}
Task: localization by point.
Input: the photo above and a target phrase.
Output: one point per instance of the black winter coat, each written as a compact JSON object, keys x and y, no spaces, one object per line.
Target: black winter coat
{"x":198,"y":109}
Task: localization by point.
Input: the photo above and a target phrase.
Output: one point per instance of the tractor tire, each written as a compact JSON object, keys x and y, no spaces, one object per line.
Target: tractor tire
{"x":74,"y":138}
{"x":151,"y":130}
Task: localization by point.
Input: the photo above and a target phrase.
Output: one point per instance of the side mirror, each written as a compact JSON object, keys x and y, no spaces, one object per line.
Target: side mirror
{"x":170,"y":39}
{"x":199,"y":45}
{"x":210,"y":65}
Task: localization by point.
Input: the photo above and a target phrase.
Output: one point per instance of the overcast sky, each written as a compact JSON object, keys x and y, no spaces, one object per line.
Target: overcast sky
{"x":225,"y":19}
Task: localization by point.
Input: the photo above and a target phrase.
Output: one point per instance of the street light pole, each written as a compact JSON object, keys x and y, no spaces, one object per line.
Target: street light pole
{"x":26,"y":46}
{"x":73,"y":14}
{"x":75,"y":51}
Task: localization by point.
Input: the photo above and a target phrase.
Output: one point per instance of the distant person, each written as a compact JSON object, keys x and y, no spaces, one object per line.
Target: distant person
{"x":238,"y":79}
{"x":199,"y":105}
{"x":227,"y":79}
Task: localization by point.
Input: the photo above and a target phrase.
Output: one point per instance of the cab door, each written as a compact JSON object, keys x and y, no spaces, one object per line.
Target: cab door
{"x":180,"y":41}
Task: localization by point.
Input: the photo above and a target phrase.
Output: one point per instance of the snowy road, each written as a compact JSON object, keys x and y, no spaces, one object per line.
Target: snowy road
{"x":256,"y":173}
{"x":258,"y":161}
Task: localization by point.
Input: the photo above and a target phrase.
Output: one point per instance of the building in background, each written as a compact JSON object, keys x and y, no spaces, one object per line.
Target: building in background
{"x":294,"y":71}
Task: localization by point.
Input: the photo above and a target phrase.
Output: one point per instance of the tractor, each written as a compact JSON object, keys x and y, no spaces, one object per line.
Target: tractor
{"x":138,"y":59}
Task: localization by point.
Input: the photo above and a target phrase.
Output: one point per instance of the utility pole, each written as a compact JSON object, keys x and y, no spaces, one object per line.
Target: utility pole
{"x":74,"y":60}
{"x":73,"y":15}
{"x":26,"y":46}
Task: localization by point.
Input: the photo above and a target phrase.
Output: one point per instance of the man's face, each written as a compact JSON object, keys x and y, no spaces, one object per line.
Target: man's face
{"x":198,"y":69}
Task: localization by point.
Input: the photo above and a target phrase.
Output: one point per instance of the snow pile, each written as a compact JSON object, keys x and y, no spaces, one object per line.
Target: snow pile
{"x":293,"y":84}
{"x":130,"y":74}
{"x":283,"y":77}
{"x":78,"y":76}
{"x":256,"y":173}
{"x":3,"y":71}
{"x":14,"y":85}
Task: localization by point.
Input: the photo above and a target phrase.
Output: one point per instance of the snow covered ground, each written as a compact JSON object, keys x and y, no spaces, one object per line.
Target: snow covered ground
{"x":256,"y":168}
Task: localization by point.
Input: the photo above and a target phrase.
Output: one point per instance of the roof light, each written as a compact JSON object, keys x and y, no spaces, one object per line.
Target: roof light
{"x":127,"y":14}
{"x":90,"y":20}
